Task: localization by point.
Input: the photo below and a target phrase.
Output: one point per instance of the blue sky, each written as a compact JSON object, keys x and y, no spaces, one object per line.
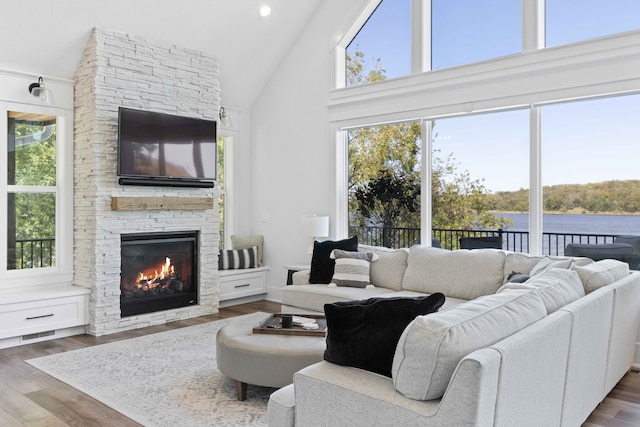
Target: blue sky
{"x":581,"y":133}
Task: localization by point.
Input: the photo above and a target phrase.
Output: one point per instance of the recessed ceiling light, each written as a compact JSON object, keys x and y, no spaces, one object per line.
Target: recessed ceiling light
{"x":265,"y":11}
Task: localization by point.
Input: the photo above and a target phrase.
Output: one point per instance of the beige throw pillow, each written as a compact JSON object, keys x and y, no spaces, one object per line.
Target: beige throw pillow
{"x":247,"y":242}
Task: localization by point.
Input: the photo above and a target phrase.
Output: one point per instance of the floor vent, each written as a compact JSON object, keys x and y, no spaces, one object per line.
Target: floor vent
{"x":38,"y":335}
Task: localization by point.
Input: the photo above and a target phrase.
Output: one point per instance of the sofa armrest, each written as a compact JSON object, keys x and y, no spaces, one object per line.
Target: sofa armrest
{"x":355,"y":397}
{"x":301,"y":277}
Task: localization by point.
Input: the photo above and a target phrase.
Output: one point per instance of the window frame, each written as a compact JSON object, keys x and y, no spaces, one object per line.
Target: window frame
{"x":62,"y":271}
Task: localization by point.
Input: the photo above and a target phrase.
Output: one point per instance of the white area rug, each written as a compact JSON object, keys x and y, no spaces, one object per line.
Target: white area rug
{"x":165,"y":379}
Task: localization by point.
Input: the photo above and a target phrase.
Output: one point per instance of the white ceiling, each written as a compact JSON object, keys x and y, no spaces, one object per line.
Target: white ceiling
{"x":47,"y":37}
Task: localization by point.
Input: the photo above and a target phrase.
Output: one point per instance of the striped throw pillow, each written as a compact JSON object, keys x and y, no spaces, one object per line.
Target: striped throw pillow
{"x":230,"y":259}
{"x":352,"y":268}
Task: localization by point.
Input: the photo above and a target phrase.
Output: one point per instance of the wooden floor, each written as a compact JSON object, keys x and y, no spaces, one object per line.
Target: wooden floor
{"x":30,"y":398}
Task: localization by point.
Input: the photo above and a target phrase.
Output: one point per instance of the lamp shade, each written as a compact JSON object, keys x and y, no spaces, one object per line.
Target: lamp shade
{"x":315,"y":226}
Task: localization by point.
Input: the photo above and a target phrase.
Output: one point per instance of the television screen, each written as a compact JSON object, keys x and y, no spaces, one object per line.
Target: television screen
{"x":165,"y":147}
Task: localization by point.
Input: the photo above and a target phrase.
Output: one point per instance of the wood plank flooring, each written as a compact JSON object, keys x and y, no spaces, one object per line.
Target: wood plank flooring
{"x":31,"y":398}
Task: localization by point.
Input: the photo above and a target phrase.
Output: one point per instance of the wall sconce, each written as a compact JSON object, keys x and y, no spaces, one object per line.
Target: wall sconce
{"x":225,"y":122}
{"x":314,"y":226}
{"x":39,"y":91}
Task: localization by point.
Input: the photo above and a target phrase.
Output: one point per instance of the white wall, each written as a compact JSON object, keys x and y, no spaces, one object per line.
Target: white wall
{"x":293,"y":166}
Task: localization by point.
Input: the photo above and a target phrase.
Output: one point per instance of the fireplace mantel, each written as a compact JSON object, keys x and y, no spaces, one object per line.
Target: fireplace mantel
{"x":160,"y":203}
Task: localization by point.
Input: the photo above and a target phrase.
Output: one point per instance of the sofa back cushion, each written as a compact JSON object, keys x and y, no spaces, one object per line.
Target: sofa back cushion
{"x":431,"y":346}
{"x":556,"y":287}
{"x":388,"y":270}
{"x":465,"y":274}
{"x":601,"y":273}
{"x":519,"y":262}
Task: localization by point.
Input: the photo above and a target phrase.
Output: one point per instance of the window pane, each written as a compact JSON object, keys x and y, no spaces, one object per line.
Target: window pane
{"x":31,"y":149}
{"x":382,"y":48}
{"x":570,"y":21}
{"x":466,"y":31}
{"x":31,"y":230}
{"x":384,"y":184}
{"x":590,"y":153}
{"x":475,"y":160}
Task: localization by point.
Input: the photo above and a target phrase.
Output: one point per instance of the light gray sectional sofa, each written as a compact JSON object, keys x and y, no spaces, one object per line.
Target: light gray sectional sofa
{"x":540,"y":353}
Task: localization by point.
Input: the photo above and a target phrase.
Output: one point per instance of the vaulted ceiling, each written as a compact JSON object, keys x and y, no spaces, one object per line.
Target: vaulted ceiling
{"x":47,"y":37}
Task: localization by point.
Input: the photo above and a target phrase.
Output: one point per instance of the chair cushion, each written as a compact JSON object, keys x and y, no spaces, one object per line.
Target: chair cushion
{"x":364,"y":334}
{"x":322,"y":266}
{"x":601,"y":273}
{"x":464,"y":274}
{"x":431,"y":346}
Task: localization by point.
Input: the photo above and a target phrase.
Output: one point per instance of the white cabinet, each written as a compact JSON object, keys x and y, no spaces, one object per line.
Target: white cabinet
{"x":37,"y":313}
{"x":242,"y":283}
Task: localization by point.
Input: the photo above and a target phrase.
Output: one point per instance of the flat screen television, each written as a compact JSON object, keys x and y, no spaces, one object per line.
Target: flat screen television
{"x":165,"y":150}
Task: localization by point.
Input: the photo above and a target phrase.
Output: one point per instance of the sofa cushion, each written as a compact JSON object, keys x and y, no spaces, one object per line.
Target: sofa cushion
{"x":431,"y":346}
{"x":352,"y":268}
{"x":364,"y":334}
{"x":547,"y":263}
{"x":229,"y":259}
{"x":322,"y":266}
{"x":519,"y":262}
{"x":388,"y":270}
{"x":314,"y":297}
{"x":246,"y":242}
{"x":556,"y":287}
{"x":601,"y":273}
{"x":462,"y":274}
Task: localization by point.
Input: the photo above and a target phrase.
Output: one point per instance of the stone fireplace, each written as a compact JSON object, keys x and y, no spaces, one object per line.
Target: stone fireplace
{"x":130,"y":71}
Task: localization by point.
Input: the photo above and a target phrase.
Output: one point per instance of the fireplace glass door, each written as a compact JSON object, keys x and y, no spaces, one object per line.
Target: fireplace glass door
{"x":158,"y":272}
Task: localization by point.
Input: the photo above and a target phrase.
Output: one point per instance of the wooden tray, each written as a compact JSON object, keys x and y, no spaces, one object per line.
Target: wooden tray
{"x":273,"y":325}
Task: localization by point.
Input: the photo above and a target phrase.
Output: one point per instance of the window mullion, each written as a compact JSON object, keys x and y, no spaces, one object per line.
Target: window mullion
{"x":533,"y":25}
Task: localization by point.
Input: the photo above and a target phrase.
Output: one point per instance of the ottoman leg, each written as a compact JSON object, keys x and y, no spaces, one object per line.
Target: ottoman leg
{"x":241,"y":390}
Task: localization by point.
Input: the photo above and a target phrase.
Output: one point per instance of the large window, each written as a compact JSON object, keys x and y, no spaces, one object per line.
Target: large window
{"x":570,"y":21}
{"x":476,"y":159}
{"x":439,"y":34}
{"x":467,"y":31}
{"x":373,"y":57}
{"x":590,"y":178}
{"x":223,"y":141}
{"x":384,"y":184}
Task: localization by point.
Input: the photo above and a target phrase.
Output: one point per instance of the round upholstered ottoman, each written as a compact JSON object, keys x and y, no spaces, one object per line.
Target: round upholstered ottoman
{"x":268,"y":360}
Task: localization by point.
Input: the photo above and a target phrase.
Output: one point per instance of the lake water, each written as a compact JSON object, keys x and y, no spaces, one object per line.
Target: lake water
{"x":579,"y":224}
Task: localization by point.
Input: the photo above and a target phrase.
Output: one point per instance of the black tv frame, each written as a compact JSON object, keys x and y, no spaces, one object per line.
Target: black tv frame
{"x":163,"y":181}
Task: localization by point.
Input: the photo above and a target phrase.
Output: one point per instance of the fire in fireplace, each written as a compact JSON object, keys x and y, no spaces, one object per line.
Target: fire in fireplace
{"x":158,"y":272}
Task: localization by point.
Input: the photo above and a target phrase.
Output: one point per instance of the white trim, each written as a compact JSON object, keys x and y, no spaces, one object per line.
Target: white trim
{"x":592,"y":68}
{"x":535,"y":181}
{"x":426,"y":203}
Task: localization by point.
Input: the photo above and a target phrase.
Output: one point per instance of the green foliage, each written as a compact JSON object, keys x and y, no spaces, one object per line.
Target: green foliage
{"x":602,"y":197}
{"x":460,"y":202}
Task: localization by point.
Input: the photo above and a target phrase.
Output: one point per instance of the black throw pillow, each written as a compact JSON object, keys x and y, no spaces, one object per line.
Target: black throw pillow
{"x":364,"y":334}
{"x":515,"y":277}
{"x":322,"y":265}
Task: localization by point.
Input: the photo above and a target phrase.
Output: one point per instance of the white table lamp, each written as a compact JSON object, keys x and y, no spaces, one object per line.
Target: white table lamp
{"x":314,"y":226}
